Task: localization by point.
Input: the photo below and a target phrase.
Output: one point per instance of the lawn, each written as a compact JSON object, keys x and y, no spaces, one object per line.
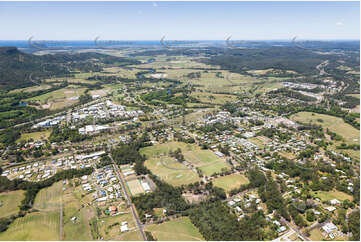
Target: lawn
{"x":326,"y":196}
{"x":316,"y":235}
{"x":161,"y":167}
{"x":10,"y":202}
{"x":230,"y":182}
{"x":180,"y":229}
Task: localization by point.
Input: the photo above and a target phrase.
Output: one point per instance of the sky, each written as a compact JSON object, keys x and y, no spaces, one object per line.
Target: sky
{"x":179,"y":20}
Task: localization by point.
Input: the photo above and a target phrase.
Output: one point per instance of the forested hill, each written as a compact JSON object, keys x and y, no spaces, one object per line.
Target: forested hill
{"x":282,"y":58}
{"x":18,"y":69}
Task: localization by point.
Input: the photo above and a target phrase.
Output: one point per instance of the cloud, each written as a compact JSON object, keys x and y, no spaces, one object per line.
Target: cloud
{"x":340,"y":23}
{"x":155,"y":4}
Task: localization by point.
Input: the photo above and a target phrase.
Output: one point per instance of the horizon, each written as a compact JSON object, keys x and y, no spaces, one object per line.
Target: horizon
{"x":193,"y":21}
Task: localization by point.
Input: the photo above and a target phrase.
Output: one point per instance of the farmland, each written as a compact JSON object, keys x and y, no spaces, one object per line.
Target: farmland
{"x":10,"y":202}
{"x":178,"y":229}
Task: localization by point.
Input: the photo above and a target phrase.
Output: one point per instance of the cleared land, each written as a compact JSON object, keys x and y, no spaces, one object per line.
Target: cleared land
{"x":326,"y":196}
{"x":205,"y":160}
{"x":34,"y":226}
{"x":171,"y":171}
{"x":10,"y":202}
{"x":80,"y":228}
{"x":178,"y":229}
{"x":230,"y":182}
{"x":334,"y":124}
{"x":35,"y":135}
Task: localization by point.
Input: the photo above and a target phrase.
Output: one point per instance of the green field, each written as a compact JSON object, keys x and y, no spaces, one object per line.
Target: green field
{"x":79,"y":229}
{"x":10,"y":202}
{"x":34,"y":226}
{"x":205,"y":160}
{"x":35,"y":135}
{"x":326,"y":196}
{"x":49,"y":198}
{"x":349,"y":134}
{"x":178,"y":229}
{"x":230,"y":182}
{"x":334,"y":124}
{"x":171,"y":176}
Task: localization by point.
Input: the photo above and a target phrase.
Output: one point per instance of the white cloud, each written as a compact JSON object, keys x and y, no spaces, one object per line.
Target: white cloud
{"x":155,"y":4}
{"x":340,"y":23}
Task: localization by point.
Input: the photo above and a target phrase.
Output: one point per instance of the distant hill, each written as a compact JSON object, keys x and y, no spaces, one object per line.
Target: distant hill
{"x":18,"y":69}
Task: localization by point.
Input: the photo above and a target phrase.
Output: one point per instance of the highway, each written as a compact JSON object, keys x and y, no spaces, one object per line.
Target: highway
{"x":129,"y":202}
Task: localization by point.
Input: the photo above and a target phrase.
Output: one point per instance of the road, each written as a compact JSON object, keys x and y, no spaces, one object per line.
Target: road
{"x":129,"y":201}
{"x":297,"y":231}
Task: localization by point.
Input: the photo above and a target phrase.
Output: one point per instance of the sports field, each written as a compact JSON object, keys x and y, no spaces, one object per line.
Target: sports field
{"x":205,"y":160}
{"x":135,"y":187}
{"x":230,"y":182}
{"x":171,"y":171}
{"x":10,"y":202}
{"x":178,"y":229}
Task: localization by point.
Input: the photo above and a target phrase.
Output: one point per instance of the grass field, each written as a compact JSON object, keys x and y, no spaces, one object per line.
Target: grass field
{"x":109,"y":231}
{"x":178,"y":229}
{"x":35,"y":135}
{"x":171,"y":176}
{"x":230,"y":182}
{"x":326,"y":196}
{"x":49,"y":198}
{"x":80,"y":229}
{"x":34,"y":226}
{"x":205,"y":160}
{"x":334,"y":124}
{"x":10,"y":202}
{"x":316,"y":235}
{"x":135,"y":187}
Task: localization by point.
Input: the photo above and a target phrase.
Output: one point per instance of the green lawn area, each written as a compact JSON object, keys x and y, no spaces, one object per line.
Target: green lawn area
{"x":10,"y":202}
{"x":230,"y":182}
{"x":173,"y":177}
{"x":326,"y":196}
{"x":180,"y":229}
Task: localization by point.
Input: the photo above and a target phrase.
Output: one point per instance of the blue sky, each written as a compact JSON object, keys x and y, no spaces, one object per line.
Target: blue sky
{"x":179,"y":20}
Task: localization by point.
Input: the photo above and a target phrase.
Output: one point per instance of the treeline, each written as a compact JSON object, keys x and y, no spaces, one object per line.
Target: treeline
{"x":61,"y":134}
{"x":293,"y":94}
{"x":216,"y":222}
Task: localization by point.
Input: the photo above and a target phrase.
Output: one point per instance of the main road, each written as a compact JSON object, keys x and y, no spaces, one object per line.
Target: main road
{"x":129,"y":201}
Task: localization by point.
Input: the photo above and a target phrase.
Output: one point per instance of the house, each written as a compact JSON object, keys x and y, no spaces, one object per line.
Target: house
{"x":335,"y":202}
{"x":329,"y":228}
{"x":330,"y":209}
